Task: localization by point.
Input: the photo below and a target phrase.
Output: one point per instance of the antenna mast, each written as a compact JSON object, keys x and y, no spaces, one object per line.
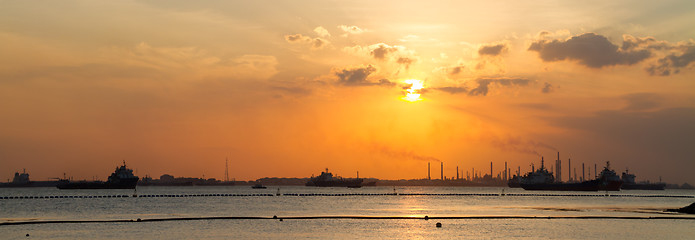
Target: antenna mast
{"x":226,"y":170}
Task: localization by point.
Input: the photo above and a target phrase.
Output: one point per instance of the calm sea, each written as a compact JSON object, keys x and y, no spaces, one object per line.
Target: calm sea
{"x":489,"y":204}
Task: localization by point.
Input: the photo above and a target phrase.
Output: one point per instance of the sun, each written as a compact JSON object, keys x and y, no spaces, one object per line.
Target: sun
{"x":412,"y":94}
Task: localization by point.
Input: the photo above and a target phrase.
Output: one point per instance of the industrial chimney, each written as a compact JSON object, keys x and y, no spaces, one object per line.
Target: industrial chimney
{"x":442,"y":170}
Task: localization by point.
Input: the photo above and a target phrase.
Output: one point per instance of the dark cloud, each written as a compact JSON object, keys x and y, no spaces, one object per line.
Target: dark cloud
{"x":673,"y":62}
{"x":358,"y":77}
{"x":452,"y":90}
{"x":386,"y":82}
{"x":642,"y":101}
{"x":455,"y":70}
{"x":589,"y":49}
{"x":315,"y":43}
{"x":547,"y":88}
{"x":492,"y":50}
{"x":294,"y":37}
{"x":382,"y":50}
{"x":293,"y":90}
{"x":484,"y":83}
{"x":405,"y":61}
{"x":483,"y":86}
{"x":318,"y":43}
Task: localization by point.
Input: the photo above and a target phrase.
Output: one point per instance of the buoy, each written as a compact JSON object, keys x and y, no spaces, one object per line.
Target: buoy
{"x":439,"y":225}
{"x":27,"y":234}
{"x":280,"y":219}
{"x":427,"y":218}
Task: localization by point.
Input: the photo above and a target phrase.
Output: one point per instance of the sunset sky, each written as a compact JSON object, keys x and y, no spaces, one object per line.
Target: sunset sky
{"x":288,"y":88}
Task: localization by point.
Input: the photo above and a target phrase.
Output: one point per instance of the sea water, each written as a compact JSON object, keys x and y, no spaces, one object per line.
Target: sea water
{"x":496,"y":211}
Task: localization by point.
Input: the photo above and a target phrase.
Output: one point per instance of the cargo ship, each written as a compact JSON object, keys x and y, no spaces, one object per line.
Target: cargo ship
{"x":609,"y":179}
{"x":326,"y":179}
{"x":21,"y":180}
{"x":630,"y":184}
{"x":121,"y":178}
{"x":543,"y":180}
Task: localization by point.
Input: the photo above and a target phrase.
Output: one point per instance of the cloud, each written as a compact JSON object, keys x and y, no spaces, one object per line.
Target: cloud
{"x":322,"y":32}
{"x":484,"y":83}
{"x":642,"y":101}
{"x":673,"y":63}
{"x":452,"y":90}
{"x":406,"y":61}
{"x":455,"y":70}
{"x":294,"y":38}
{"x":492,"y":50}
{"x":589,"y":49}
{"x":351,"y":29}
{"x":381,"y":51}
{"x":547,"y":88}
{"x":357,"y":76}
{"x":483,"y":86}
{"x":384,"y":52}
{"x":316,"y":43}
{"x":292,"y":90}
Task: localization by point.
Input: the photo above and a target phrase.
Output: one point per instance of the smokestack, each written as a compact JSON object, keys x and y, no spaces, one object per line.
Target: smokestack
{"x":569,"y":169}
{"x":442,"y":170}
{"x":595,"y":174}
{"x":428,"y":171}
{"x":575,"y":174}
{"x":490,"y":169}
{"x":457,"y":172}
{"x":505,"y":171}
{"x":583,"y":176}
{"x":558,"y":166}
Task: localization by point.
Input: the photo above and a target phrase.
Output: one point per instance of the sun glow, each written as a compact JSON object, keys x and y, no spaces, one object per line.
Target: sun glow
{"x":412,"y":93}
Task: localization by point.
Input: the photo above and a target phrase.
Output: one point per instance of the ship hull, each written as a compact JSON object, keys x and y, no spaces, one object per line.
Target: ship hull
{"x":343,"y":183}
{"x":122,"y":184}
{"x":582,"y":186}
{"x":611,"y":186}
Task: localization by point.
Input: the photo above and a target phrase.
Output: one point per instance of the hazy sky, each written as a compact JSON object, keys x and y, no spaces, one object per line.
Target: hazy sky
{"x":288,"y":88}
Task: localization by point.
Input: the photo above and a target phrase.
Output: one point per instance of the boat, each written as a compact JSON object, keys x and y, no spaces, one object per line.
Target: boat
{"x":326,"y":179}
{"x":543,"y":180}
{"x":630,"y":184}
{"x":21,"y":180}
{"x":609,"y":179}
{"x":258,"y":186}
{"x":121,"y":178}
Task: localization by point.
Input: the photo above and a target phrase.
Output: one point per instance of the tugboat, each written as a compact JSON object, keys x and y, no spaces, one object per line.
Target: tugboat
{"x":258,"y":186}
{"x":609,"y":179}
{"x":121,"y":178}
{"x":326,"y":179}
{"x":543,"y":180}
{"x":629,"y":183}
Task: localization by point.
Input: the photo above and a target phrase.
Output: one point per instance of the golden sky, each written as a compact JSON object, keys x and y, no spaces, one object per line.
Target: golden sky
{"x":288,"y":88}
